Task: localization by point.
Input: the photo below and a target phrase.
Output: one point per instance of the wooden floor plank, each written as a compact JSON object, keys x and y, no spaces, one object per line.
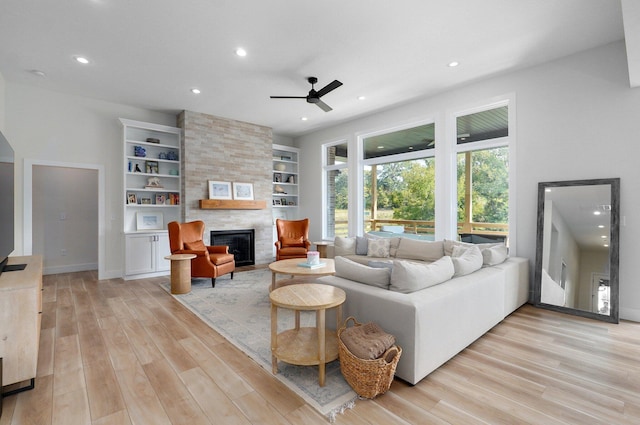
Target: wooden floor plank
{"x":122,"y":353}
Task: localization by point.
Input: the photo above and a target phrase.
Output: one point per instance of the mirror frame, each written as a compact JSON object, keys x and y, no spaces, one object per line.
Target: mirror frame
{"x":613,"y":317}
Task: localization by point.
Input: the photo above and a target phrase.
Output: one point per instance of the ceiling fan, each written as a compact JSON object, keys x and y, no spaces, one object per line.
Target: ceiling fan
{"x":314,"y":96}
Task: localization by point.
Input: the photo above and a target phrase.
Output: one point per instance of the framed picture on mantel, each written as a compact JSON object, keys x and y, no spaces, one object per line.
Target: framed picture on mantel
{"x":219,"y":190}
{"x":243,"y":191}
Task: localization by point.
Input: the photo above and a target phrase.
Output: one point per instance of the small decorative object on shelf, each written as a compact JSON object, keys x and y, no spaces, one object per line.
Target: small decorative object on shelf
{"x":172,"y":156}
{"x":291,"y":180}
{"x":131,"y":198}
{"x":153,"y":183}
{"x":162,"y":155}
{"x":139,"y":151}
{"x":152,"y":140}
{"x":161,"y":199}
{"x":277,"y":177}
{"x":281,"y":167}
{"x":174,"y":199}
{"x":138,"y":170}
{"x":279,"y":189}
{"x":173,"y":172}
{"x":145,"y":201}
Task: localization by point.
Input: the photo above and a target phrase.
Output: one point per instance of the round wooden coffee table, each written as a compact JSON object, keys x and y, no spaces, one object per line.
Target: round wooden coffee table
{"x":290,"y":267}
{"x":306,"y":346}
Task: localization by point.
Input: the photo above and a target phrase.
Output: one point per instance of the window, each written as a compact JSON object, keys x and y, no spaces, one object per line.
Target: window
{"x":483,"y":175}
{"x":399,"y":180}
{"x":336,"y":200}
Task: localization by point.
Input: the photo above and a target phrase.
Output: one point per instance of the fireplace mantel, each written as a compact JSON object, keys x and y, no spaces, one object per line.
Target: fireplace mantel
{"x":227,"y":204}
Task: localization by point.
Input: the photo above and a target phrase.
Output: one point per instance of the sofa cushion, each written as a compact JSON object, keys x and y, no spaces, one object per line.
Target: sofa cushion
{"x":351,"y":270}
{"x":466,"y":259}
{"x":412,"y":249}
{"x":494,"y":255}
{"x":362,"y":245}
{"x":344,"y":246}
{"x":195,"y":246}
{"x":407,"y":276}
{"x":449,"y":245}
{"x":378,"y":247}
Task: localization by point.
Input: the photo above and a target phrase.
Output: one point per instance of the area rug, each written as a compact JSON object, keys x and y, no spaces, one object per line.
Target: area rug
{"x":239,"y":310}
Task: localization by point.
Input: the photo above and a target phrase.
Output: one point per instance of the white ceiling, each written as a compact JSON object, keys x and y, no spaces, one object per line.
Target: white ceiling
{"x":150,"y":53}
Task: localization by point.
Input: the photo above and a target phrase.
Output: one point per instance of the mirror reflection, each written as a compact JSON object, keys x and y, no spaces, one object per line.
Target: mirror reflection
{"x":576,"y":263}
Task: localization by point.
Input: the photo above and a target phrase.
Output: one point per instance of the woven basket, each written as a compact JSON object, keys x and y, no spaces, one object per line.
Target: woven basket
{"x":368,"y":378}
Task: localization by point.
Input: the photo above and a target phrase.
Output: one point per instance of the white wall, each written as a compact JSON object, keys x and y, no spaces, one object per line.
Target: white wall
{"x":2,"y":107}
{"x":576,"y":119}
{"x":43,"y":125}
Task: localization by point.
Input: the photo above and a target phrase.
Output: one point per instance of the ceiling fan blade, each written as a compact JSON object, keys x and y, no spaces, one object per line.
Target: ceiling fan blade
{"x":329,"y":87}
{"x":288,"y":97}
{"x":323,"y":106}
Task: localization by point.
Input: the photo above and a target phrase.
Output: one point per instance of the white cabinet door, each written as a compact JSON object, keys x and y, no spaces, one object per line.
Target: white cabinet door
{"x":162,"y":250}
{"x":139,"y":254}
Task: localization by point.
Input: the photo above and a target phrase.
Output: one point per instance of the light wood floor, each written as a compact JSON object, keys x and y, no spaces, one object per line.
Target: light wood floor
{"x":114,"y":352}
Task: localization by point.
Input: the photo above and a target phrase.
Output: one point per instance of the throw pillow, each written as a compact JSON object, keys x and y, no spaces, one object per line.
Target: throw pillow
{"x":344,"y":246}
{"x":494,"y":255}
{"x":195,"y":246}
{"x":380,"y":264}
{"x":351,"y":270}
{"x":449,"y":244}
{"x":412,"y":249}
{"x":368,"y":341}
{"x":378,"y":247}
{"x":466,"y":260}
{"x":286,"y":241}
{"x":407,"y":277}
{"x":362,"y":244}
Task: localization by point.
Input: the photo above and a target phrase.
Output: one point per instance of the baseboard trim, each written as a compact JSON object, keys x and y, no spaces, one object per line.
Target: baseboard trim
{"x":632,"y":314}
{"x":71,"y":268}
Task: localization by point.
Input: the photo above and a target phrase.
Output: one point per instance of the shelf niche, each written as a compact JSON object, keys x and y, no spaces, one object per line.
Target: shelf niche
{"x":225,"y":204}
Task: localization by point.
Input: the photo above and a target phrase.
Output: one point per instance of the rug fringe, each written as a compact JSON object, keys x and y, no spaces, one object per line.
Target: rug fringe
{"x":348,"y":405}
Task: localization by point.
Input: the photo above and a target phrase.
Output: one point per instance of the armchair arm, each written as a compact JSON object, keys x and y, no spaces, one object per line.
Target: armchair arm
{"x":307,"y":244}
{"x":218,"y":249}
{"x":189,"y":251}
{"x":278,"y":244}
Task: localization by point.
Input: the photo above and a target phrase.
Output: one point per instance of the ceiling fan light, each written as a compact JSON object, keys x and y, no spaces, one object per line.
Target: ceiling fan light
{"x":241,"y":52}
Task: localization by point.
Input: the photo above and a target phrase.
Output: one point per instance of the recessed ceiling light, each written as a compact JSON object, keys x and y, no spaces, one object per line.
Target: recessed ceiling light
{"x":606,"y":245}
{"x":241,"y":52}
{"x":195,"y":91}
{"x":38,"y":73}
{"x":596,"y":213}
{"x":547,"y":190}
{"x":603,"y":237}
{"x":362,"y":97}
{"x":453,"y":64}
{"x":380,"y":147}
{"x":304,"y":118}
{"x":81,"y":59}
{"x":601,"y":226}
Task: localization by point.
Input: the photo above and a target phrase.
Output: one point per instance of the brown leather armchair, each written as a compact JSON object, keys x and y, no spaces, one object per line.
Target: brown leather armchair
{"x":293,"y":239}
{"x":211,"y":261}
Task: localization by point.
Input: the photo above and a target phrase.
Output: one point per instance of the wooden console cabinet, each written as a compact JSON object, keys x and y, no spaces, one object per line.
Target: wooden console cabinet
{"x":20,"y":319}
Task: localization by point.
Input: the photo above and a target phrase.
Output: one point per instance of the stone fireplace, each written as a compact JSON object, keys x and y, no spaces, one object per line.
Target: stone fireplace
{"x":226,"y":150}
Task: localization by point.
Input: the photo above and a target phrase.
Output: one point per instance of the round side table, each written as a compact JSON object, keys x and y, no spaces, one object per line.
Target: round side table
{"x":180,"y":272}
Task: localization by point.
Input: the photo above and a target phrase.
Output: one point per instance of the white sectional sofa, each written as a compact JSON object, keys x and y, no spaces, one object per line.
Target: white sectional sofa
{"x":435,"y":323}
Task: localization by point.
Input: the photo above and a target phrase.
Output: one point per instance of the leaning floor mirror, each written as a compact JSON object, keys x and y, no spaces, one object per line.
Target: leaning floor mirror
{"x":577,"y":248}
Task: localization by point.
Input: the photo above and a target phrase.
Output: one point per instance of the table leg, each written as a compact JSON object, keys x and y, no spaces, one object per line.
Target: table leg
{"x":273,"y":281}
{"x":274,"y":338}
{"x":322,"y":359}
{"x":338,"y":317}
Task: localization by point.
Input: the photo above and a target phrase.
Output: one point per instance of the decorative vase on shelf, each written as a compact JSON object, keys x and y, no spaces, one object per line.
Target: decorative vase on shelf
{"x":281,"y":167}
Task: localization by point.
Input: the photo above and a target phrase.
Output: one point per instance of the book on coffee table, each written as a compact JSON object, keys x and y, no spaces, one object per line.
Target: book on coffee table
{"x":312,"y":266}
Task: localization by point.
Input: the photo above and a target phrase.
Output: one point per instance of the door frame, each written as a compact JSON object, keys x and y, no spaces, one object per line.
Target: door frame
{"x":27,"y":207}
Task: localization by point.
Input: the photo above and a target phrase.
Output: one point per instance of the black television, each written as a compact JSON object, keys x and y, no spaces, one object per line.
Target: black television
{"x":7,"y":222}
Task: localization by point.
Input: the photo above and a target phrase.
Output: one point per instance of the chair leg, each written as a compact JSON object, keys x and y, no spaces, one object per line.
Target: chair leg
{"x":213,"y":282}
{"x":231,"y":275}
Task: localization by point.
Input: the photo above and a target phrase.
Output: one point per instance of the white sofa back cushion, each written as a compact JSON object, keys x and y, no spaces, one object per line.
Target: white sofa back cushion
{"x":466,"y":259}
{"x":407,"y":276}
{"x":357,"y":272}
{"x":412,"y":249}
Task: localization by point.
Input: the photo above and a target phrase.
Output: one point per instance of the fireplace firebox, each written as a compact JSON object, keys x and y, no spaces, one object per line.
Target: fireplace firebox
{"x":241,"y":244}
